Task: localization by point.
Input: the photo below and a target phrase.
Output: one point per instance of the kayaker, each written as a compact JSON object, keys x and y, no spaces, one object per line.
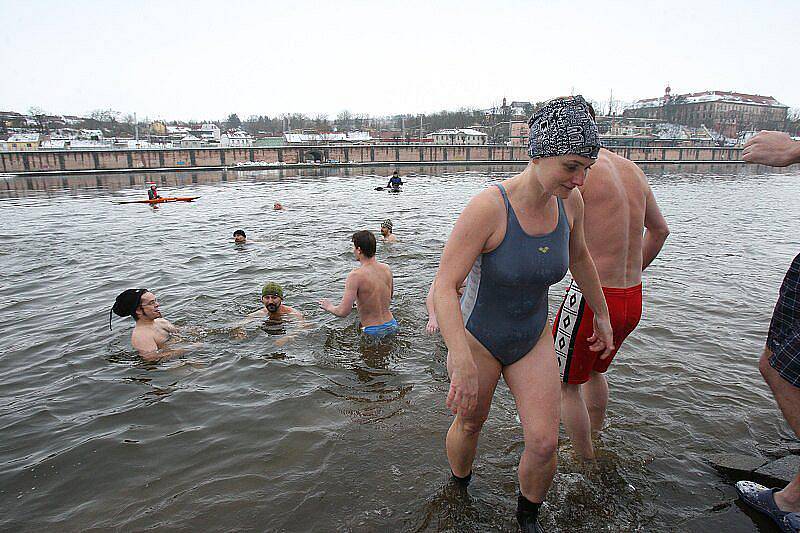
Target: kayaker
{"x":152,"y":192}
{"x":394,"y":181}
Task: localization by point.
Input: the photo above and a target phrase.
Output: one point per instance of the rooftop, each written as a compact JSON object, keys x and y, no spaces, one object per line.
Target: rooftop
{"x":710,"y":96}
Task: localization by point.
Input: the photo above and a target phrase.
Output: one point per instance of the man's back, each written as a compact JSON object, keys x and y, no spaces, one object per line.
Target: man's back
{"x":374,"y":293}
{"x":615,"y":197}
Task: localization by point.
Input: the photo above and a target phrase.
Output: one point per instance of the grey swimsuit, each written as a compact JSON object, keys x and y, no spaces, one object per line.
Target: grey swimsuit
{"x":505,"y":302}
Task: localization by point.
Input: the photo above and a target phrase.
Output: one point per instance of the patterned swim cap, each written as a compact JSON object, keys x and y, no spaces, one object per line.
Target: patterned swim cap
{"x":387,"y":224}
{"x":563,"y":126}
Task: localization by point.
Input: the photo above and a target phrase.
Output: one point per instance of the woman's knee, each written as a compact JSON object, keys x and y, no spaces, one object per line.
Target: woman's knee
{"x":542,"y":447}
{"x":473,"y":424}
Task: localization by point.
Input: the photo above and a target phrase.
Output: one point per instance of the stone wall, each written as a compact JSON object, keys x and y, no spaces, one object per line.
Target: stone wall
{"x":97,"y":160}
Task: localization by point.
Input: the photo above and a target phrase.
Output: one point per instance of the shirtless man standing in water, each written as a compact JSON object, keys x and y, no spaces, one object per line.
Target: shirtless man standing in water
{"x":624,"y":231}
{"x":152,"y":331}
{"x":371,"y":287}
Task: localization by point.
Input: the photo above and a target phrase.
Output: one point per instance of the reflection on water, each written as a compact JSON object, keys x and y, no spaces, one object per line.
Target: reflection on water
{"x":331,"y":431}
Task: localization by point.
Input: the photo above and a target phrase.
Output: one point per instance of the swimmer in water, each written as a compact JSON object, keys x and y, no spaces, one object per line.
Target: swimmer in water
{"x":278,"y":207}
{"x":151,"y":332}
{"x":240,"y":237}
{"x":276,"y":311}
{"x":386,"y":231}
{"x":274,"y":308}
{"x":370,"y":286}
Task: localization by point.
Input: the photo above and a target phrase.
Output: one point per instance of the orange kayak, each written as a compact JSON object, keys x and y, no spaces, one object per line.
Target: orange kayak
{"x":161,"y":200}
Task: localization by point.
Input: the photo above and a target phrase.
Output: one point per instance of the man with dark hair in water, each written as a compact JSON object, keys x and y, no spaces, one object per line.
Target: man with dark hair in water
{"x":371,"y":287}
{"x":152,"y":331}
{"x":239,"y":237}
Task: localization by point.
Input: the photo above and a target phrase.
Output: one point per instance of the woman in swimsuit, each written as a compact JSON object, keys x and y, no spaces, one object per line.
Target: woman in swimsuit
{"x":512,"y":242}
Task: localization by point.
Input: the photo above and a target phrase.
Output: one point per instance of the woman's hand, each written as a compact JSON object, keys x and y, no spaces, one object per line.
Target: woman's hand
{"x":603,"y":337}
{"x":462,"y":399}
{"x":432,"y":326}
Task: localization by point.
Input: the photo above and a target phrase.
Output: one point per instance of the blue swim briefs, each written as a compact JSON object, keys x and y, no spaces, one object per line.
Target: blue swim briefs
{"x":378,"y":332}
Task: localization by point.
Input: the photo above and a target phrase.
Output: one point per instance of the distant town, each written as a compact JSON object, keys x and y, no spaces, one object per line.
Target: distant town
{"x":709,"y":118}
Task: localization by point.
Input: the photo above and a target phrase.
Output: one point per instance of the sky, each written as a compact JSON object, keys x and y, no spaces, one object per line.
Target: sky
{"x":205,"y":60}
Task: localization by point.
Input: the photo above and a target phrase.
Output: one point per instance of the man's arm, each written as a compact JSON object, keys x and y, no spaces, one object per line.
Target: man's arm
{"x":656,"y":230}
{"x":773,"y":148}
{"x":346,"y":305}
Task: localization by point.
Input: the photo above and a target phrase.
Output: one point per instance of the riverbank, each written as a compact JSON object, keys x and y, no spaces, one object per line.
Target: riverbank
{"x":333,"y":156}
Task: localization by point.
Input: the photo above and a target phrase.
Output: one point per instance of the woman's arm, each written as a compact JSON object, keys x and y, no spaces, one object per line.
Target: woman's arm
{"x":469,"y":237}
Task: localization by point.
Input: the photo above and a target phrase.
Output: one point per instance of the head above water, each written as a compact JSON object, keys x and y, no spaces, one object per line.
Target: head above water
{"x":239,"y":235}
{"x":272,"y":296}
{"x":364,"y":241}
{"x":136,"y":303}
{"x":386,"y":225}
{"x":564,"y":126}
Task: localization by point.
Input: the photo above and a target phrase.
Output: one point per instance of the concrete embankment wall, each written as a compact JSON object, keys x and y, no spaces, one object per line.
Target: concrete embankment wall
{"x":110,"y":160}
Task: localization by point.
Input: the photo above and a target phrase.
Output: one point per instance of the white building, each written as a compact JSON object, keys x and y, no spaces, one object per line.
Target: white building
{"x":310,"y":138}
{"x":460,"y":136}
{"x":209,"y":132}
{"x":190,"y":141}
{"x":236,"y":139}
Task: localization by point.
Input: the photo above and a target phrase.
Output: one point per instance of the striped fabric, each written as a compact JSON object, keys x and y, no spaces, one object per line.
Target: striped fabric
{"x":784,"y":329}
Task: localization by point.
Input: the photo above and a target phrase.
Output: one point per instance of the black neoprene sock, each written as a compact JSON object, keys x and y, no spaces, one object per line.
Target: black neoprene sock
{"x":527,"y":507}
{"x":463,"y":481}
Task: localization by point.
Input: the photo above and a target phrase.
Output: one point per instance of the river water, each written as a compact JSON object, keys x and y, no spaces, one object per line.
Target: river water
{"x":328,"y":433}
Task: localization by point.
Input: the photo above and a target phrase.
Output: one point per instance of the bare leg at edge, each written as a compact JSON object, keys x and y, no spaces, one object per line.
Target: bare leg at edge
{"x":462,"y":437}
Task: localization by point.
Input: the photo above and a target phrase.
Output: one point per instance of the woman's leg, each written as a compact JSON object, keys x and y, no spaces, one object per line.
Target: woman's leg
{"x":462,"y":437}
{"x":534,"y":382}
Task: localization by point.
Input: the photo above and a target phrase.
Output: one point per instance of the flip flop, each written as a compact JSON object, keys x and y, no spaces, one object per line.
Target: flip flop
{"x":762,"y":499}
{"x":791,"y":522}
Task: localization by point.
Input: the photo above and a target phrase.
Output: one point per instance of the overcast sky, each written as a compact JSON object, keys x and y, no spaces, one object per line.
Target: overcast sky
{"x":199,"y":59}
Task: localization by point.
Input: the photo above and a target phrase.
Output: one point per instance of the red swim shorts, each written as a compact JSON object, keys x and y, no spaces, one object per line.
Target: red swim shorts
{"x":574,"y":325}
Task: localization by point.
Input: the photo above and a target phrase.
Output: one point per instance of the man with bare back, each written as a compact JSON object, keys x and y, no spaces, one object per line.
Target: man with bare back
{"x":624,"y":230}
